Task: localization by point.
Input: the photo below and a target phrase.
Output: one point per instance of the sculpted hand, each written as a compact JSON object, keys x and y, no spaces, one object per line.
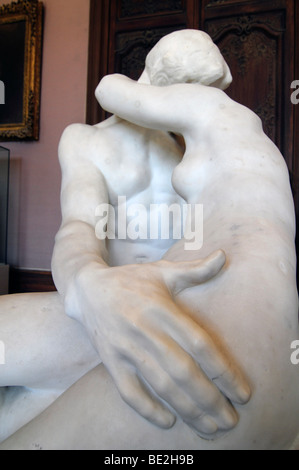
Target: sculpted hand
{"x":154,"y":351}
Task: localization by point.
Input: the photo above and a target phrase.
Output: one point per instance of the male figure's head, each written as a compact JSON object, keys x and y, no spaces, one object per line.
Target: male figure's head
{"x":186,"y":56}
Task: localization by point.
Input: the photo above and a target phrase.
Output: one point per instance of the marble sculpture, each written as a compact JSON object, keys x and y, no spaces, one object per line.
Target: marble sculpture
{"x":162,"y":342}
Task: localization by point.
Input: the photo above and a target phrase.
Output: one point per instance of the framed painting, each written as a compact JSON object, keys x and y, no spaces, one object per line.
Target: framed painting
{"x":21,"y":25}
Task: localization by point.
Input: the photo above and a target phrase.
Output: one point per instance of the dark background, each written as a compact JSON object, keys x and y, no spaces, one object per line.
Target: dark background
{"x":4,"y":173}
{"x":12,"y":50}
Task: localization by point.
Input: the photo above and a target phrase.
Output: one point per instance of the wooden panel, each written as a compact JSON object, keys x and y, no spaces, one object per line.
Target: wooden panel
{"x":216,"y":3}
{"x":23,"y":280}
{"x":252,"y":46}
{"x":129,"y":8}
{"x":99,"y":27}
{"x":257,"y":39}
{"x":123,"y":31}
{"x":133,"y":47}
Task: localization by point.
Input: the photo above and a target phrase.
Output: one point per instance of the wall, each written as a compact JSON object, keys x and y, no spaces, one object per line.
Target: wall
{"x":35,"y":172}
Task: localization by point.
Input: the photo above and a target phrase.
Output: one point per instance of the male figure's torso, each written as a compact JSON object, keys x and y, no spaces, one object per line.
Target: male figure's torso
{"x":137,"y":165}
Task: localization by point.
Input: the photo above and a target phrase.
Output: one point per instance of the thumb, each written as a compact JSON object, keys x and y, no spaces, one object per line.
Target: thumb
{"x":184,"y":274}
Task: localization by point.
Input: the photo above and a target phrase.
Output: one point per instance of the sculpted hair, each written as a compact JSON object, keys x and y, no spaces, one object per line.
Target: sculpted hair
{"x":187,"y":56}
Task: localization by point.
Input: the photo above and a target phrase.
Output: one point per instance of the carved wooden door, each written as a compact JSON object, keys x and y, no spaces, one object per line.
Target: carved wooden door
{"x":259,"y":40}
{"x":123,"y":31}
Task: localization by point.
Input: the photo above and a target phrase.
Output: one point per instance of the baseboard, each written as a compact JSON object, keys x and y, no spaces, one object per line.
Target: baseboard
{"x":27,"y":280}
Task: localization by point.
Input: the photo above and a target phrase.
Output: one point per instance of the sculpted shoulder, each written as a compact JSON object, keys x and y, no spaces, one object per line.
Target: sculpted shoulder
{"x":81,"y":143}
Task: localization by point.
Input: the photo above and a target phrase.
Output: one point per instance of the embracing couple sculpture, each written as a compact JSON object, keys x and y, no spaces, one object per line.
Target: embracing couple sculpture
{"x":197,"y":342}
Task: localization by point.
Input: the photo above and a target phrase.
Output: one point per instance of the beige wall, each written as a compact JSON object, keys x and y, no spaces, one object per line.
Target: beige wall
{"x":35,"y":173}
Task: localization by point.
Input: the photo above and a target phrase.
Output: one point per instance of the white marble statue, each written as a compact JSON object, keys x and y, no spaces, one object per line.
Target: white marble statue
{"x":185,"y":331}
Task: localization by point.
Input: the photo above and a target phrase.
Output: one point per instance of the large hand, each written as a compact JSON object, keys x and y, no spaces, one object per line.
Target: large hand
{"x":154,"y":350}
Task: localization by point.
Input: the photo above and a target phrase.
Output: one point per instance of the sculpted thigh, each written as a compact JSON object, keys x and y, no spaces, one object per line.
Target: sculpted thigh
{"x":91,"y":415}
{"x":251,"y":310}
{"x":45,"y":352}
{"x":43,"y":347}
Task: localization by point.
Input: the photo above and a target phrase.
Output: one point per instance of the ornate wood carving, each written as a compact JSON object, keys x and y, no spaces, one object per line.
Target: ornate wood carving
{"x":132,"y":49}
{"x":129,"y":8}
{"x":214,"y":3}
{"x":251,"y":44}
{"x":123,"y":31}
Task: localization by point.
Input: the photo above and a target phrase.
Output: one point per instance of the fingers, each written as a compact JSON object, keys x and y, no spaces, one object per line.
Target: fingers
{"x":184,"y":274}
{"x":161,"y":375}
{"x":202,"y":407}
{"x":194,"y":339}
{"x":205,"y":351}
{"x":138,"y":396}
{"x":219,"y":367}
{"x":178,"y":380}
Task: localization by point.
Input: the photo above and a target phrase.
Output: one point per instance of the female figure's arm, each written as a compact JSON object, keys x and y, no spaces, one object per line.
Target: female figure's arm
{"x":172,"y":109}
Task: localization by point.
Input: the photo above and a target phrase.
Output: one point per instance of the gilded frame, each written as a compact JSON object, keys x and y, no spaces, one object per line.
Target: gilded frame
{"x":21,"y":27}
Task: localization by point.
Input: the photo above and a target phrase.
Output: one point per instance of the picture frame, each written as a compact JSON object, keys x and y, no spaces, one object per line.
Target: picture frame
{"x":21,"y":31}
